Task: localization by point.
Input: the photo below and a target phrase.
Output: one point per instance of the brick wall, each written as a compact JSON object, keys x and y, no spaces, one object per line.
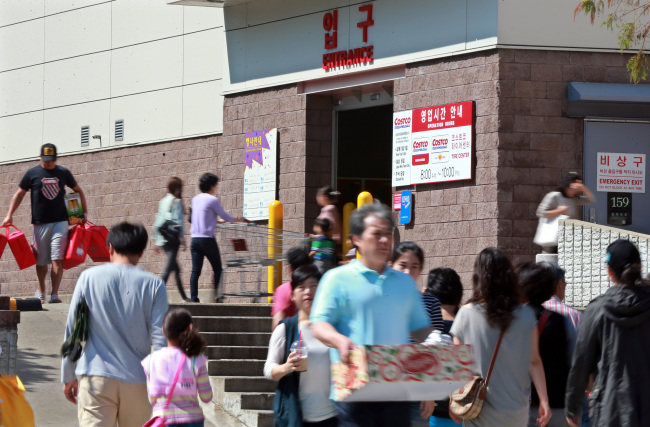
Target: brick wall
{"x":120,"y":184}
{"x":537,"y":143}
{"x":454,"y":221}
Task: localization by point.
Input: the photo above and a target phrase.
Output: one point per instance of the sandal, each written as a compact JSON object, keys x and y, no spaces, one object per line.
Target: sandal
{"x":55,"y":299}
{"x":40,"y":297}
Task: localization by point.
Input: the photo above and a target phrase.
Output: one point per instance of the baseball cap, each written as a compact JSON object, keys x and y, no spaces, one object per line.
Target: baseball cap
{"x":620,"y":254}
{"x":48,"y":152}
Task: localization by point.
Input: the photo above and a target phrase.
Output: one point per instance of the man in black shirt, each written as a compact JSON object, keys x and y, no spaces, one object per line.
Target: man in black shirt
{"x":47,"y":183}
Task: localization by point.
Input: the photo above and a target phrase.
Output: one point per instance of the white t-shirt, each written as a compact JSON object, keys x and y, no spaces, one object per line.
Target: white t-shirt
{"x":314,"y":382}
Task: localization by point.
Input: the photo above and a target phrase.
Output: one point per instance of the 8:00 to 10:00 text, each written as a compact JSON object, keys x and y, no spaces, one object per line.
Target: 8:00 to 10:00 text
{"x":449,"y":172}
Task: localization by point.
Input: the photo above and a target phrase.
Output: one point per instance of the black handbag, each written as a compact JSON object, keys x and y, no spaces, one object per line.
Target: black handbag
{"x":170,"y":230}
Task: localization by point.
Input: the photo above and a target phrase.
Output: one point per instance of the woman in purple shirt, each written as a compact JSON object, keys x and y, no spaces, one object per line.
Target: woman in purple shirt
{"x":204,"y":212}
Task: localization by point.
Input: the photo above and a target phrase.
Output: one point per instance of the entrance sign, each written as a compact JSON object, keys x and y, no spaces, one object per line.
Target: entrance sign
{"x":346,"y":58}
{"x":406,"y":207}
{"x":260,"y":173}
{"x":433,"y":144}
{"x":621,"y":172}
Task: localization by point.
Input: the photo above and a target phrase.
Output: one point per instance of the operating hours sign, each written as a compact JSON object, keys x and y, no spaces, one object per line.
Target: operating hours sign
{"x":433,"y":144}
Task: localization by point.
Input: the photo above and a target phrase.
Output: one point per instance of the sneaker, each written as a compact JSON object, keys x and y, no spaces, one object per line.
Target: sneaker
{"x":55,"y":299}
{"x":40,"y":296}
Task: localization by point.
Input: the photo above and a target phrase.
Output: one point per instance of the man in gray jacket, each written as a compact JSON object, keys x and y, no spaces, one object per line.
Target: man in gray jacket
{"x":126,"y":306}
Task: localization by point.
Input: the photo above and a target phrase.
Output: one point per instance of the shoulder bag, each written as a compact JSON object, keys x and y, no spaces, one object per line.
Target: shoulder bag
{"x":161,"y":421}
{"x":170,"y":230}
{"x":467,"y":401}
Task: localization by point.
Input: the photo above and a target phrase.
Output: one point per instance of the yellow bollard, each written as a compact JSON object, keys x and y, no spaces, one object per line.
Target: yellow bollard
{"x":348,"y":208}
{"x":363,"y":199}
{"x":275,"y":246}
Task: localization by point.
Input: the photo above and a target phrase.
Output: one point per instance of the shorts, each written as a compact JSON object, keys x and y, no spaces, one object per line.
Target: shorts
{"x":50,"y":241}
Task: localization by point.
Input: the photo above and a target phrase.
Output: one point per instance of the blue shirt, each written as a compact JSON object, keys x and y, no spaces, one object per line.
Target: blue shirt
{"x":368,"y":307}
{"x":126,"y":306}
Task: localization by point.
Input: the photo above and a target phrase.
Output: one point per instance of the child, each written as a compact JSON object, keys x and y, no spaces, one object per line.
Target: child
{"x":184,"y":345}
{"x":323,"y":248}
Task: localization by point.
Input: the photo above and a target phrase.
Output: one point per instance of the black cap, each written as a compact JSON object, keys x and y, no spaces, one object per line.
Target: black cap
{"x":48,"y":152}
{"x":621,"y":254}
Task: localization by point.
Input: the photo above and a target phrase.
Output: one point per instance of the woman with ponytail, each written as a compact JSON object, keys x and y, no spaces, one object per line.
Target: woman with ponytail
{"x":612,"y":345}
{"x":495,"y":307}
{"x":177,"y":374}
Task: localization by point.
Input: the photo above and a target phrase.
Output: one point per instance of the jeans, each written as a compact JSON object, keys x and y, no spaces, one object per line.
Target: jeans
{"x":204,"y":247}
{"x":171,"y":266}
{"x":374,"y":414}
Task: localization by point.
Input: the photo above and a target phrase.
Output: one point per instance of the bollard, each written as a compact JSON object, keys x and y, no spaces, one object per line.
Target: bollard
{"x":363,"y":199}
{"x":275,"y":246}
{"x":348,"y":208}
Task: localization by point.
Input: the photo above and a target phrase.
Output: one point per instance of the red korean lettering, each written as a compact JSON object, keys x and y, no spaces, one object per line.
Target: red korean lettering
{"x":331,"y":23}
{"x":443,"y":113}
{"x":604,"y":160}
{"x":638,"y":160}
{"x":368,"y":22}
{"x":621,"y":161}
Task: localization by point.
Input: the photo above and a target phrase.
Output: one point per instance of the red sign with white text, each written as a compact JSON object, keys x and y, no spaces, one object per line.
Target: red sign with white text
{"x":433,"y":144}
{"x":442,"y":117}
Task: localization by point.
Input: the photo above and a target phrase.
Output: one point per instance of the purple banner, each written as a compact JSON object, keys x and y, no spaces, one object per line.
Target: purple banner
{"x":255,"y":142}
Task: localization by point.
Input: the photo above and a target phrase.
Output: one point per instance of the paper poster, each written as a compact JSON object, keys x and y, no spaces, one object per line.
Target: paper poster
{"x":433,"y":144}
{"x":260,"y":173}
{"x":621,"y":172}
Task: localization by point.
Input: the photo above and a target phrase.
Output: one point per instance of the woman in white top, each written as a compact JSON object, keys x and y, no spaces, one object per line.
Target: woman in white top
{"x":566,"y":200}
{"x":302,"y":396}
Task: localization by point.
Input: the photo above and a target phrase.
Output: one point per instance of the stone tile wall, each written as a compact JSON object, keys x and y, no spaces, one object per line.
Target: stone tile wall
{"x":581,"y":252}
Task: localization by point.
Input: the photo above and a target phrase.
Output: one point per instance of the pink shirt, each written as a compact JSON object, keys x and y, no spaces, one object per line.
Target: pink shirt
{"x":282,"y":301}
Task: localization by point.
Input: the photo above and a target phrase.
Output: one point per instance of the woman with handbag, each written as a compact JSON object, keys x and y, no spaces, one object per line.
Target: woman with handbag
{"x":503,"y":335}
{"x":177,"y":375}
{"x":563,"y":203}
{"x":168,"y":230}
{"x":302,"y":395}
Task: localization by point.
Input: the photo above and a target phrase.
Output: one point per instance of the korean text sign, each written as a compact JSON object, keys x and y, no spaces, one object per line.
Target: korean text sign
{"x":621,"y":172}
{"x":433,"y":144}
{"x":260,"y":174}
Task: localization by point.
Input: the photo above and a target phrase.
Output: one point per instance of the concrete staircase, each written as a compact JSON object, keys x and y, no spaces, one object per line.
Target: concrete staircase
{"x":238,"y":338}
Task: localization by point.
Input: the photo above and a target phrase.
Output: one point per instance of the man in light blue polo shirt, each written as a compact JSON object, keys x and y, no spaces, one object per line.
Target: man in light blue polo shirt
{"x":366,"y":302}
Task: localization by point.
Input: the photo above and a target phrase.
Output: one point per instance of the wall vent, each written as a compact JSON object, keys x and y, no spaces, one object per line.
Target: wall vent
{"x":85,"y":136}
{"x":119,"y":130}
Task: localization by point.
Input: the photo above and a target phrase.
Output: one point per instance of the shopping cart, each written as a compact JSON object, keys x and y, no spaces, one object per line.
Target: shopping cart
{"x":245,"y":252}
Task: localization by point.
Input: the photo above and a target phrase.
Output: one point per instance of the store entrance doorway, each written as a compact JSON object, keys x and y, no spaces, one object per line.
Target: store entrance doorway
{"x":364,"y":152}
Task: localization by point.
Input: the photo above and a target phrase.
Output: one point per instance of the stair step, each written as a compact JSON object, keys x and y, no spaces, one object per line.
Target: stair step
{"x":237,"y":338}
{"x":222,"y":310}
{"x":236,"y":367}
{"x":257,"y":401}
{"x":236,"y":352}
{"x":249,"y":384}
{"x":232,"y":324}
{"x":264,"y":418}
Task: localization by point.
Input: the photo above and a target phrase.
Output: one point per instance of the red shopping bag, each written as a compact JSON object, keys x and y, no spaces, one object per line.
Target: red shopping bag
{"x":3,"y":242}
{"x":98,"y":249}
{"x":78,"y":242}
{"x":20,"y":248}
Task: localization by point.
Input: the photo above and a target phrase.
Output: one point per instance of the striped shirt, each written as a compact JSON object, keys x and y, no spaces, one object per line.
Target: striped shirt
{"x":183,"y":409}
{"x":432,"y":304}
{"x":556,"y":305}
